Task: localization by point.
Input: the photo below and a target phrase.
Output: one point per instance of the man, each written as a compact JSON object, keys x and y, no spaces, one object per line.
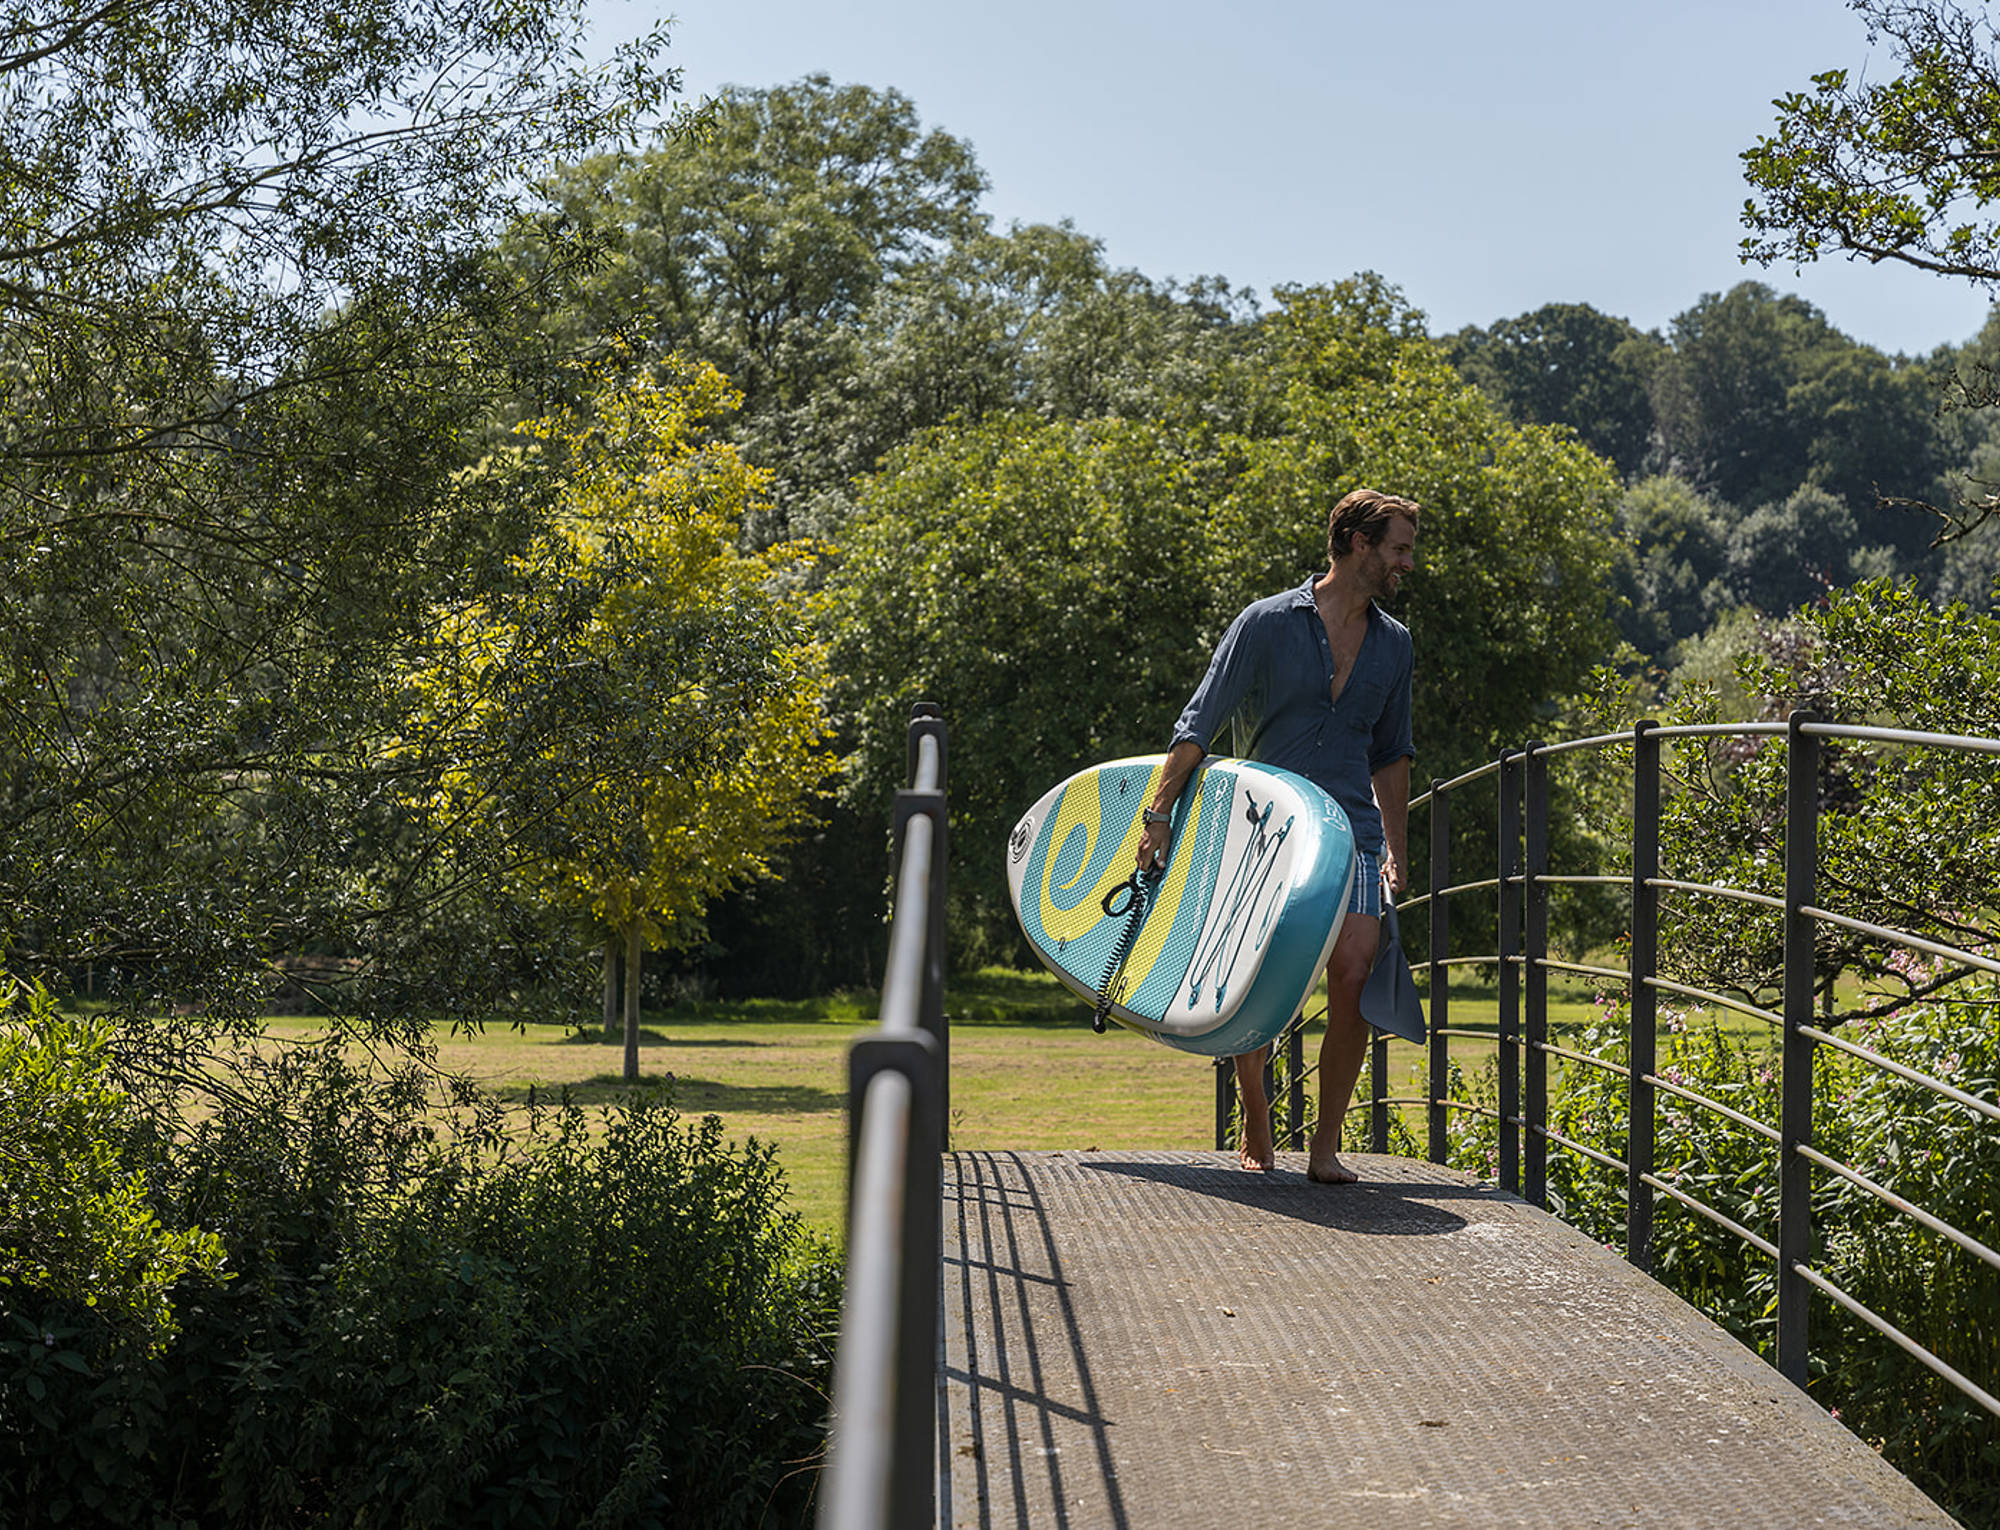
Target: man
{"x":1317,"y":681}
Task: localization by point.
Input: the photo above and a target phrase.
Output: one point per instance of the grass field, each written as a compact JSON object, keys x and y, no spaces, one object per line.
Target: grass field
{"x":1026,"y":1072}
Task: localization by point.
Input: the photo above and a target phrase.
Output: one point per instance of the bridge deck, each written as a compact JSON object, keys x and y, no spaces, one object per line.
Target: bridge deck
{"x":1152,"y":1339}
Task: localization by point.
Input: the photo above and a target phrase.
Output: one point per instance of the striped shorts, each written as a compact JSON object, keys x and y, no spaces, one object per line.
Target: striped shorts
{"x":1367,"y":895}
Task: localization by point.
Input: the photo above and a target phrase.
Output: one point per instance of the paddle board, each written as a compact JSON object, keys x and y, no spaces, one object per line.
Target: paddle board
{"x":1217,"y":952}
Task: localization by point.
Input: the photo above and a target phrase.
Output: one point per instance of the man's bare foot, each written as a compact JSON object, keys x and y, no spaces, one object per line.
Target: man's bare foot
{"x":1254,"y":1150}
{"x":1323,"y":1165}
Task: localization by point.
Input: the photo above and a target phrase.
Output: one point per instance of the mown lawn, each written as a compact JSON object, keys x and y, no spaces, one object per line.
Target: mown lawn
{"x":1026,"y":1072}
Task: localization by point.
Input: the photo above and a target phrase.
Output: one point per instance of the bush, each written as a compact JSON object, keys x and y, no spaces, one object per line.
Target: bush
{"x":615,"y":1324}
{"x":1941,"y":1156}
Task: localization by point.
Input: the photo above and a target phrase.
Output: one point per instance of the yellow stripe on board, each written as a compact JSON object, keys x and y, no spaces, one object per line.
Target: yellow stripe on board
{"x":1080,"y":806}
{"x":1166,"y":898}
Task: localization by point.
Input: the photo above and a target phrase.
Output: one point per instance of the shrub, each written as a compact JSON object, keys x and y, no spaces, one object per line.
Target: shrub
{"x":613,"y":1324}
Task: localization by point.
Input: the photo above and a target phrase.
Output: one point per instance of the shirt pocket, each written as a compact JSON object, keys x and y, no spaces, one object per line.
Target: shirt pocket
{"x":1360,"y":705}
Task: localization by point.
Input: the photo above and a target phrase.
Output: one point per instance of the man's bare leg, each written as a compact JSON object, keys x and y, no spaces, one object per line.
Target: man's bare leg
{"x":1254,"y":1149}
{"x":1346,"y":1044}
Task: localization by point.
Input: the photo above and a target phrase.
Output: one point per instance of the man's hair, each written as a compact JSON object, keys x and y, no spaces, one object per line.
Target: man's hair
{"x":1369,"y":512}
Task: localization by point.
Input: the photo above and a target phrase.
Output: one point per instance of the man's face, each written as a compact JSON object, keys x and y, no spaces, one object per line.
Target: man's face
{"x":1386,"y":561}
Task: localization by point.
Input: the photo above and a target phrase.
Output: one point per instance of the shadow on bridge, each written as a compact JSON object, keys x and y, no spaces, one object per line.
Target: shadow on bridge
{"x":1153,"y":1339}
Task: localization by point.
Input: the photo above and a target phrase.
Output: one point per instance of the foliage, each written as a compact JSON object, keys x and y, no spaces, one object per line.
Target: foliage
{"x":1896,"y":168}
{"x":250,"y":324}
{"x":1058,"y":588}
{"x":1940,"y":1156}
{"x":1876,"y":654}
{"x":1565,"y":364}
{"x":757,"y":247}
{"x":79,"y":1221}
{"x":615,"y":1323}
{"x":1756,"y":393}
{"x":1674,"y":577}
{"x":635,"y":716}
{"x":1040,"y":581}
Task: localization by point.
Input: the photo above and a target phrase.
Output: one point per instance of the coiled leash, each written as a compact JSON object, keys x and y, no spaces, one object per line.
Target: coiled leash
{"x":1137,"y":888}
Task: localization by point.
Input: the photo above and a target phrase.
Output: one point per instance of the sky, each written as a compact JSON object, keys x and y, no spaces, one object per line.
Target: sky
{"x":1485,"y":158}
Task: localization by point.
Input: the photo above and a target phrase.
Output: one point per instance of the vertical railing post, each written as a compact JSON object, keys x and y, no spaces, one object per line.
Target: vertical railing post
{"x":1440,"y":922}
{"x":1508,"y":1030}
{"x":1378,"y":1093}
{"x":1225,"y":1099}
{"x":1295,"y":1086}
{"x":1536,"y":937}
{"x":1795,"y":1122}
{"x":1644,"y":966}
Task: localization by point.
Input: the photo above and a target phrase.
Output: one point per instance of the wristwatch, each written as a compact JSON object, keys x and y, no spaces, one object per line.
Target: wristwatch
{"x":1153,"y":817}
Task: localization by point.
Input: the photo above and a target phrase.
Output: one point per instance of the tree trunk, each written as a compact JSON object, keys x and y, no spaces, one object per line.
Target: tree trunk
{"x":610,"y":985}
{"x":632,"y":1003}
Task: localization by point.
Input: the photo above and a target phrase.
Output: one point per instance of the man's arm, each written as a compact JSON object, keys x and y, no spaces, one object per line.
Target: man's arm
{"x":1392,"y":796}
{"x":1181,"y":762}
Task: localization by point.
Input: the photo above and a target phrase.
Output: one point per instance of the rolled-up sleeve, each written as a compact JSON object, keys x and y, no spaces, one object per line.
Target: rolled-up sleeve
{"x":1392,"y":739}
{"x":1231,"y":673}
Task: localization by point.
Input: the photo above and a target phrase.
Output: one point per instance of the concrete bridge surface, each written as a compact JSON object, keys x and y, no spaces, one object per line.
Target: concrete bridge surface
{"x":1142,"y":1340}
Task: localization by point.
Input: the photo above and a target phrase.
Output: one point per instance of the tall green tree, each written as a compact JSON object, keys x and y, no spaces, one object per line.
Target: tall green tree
{"x":1565,"y":364}
{"x":757,"y":247}
{"x":636,"y":724}
{"x":1059,"y":587}
{"x":1895,"y":165}
{"x":248,"y":319}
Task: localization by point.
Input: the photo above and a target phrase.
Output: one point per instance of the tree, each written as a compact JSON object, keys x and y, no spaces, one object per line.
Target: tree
{"x":1907,"y":835}
{"x":636,"y":723}
{"x":1047,"y":583}
{"x":1673,"y":575}
{"x":249,"y":322}
{"x":1898,"y":168}
{"x":1888,"y":169}
{"x":758,"y":246}
{"x":1058,"y":587}
{"x":1565,"y":364}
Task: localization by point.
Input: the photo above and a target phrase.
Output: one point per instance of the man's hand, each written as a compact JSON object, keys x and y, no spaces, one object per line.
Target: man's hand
{"x":1153,"y":846}
{"x":1392,"y":874}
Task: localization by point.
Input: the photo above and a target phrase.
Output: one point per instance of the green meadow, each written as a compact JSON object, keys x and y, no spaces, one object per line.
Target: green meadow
{"x":1027,"y":1071}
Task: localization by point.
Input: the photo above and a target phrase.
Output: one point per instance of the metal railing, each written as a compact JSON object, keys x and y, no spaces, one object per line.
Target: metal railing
{"x":882,"y":1447}
{"x":1521,"y":887}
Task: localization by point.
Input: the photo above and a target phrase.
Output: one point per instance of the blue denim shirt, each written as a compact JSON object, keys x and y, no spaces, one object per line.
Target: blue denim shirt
{"x":1272,"y":676}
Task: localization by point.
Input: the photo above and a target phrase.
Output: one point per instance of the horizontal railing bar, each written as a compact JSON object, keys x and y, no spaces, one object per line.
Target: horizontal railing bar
{"x":1854,"y":1049}
{"x":1762,"y":1245}
{"x":1465,"y":887}
{"x":1545,"y":878}
{"x":1909,"y":1209}
{"x":1720,"y":730}
{"x":1609,"y":972}
{"x":1958,"y":741}
{"x":1409,"y":903}
{"x":1452,"y":1030}
{"x":864,"y":1399}
{"x":1902,"y":938}
{"x":1718,"y":1107}
{"x":1477,"y":1110}
{"x":1566,"y":745}
{"x":1895,"y":1335}
{"x":1577,"y":1147}
{"x":1402,"y":1100}
{"x":1471,"y":775}
{"x":1763,"y":899}
{"x":1583,"y":1057}
{"x":1724,"y":1000}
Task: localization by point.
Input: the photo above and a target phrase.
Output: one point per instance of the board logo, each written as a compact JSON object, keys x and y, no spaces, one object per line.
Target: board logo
{"x":1023,"y":835}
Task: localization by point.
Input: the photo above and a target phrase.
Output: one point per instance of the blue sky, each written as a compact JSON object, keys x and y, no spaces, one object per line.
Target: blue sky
{"x":1486,"y":158}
